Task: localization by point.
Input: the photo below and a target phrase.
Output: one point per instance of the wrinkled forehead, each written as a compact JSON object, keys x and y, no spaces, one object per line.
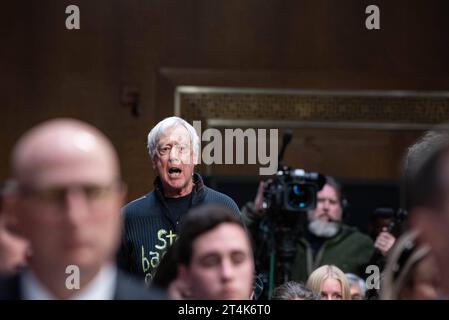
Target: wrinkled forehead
{"x":176,"y":134}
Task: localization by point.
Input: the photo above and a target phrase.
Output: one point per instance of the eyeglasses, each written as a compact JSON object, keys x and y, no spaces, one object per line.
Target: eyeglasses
{"x":57,"y":196}
{"x":180,"y":148}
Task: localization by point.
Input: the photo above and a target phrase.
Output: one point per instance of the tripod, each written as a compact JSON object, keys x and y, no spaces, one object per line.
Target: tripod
{"x":280,"y":233}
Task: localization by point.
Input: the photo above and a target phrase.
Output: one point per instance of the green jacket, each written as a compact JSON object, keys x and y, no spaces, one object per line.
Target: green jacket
{"x":349,"y":250}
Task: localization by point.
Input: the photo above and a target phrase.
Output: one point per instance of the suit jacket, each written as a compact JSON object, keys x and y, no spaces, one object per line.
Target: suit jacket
{"x":126,"y":289}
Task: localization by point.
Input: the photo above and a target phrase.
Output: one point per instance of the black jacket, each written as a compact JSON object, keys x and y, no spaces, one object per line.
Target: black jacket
{"x":150,"y":228}
{"x":126,"y":289}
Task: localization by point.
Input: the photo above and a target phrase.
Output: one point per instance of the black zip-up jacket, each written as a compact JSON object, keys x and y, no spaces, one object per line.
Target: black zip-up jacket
{"x":150,"y":228}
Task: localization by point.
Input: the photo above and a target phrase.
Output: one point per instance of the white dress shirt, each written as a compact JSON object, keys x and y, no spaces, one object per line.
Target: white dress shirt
{"x":101,"y":287}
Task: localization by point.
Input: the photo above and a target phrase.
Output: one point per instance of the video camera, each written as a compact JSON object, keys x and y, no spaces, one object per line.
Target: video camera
{"x":291,"y":193}
{"x":293,"y":190}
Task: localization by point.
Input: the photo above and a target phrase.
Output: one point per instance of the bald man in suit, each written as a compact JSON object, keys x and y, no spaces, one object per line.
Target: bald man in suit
{"x":67,"y":203}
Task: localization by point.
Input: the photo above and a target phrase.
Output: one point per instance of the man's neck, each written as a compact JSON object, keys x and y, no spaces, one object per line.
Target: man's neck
{"x":55,"y":281}
{"x":178,"y":193}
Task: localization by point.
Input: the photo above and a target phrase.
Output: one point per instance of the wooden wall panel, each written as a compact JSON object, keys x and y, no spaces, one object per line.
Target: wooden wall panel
{"x":48,"y":71}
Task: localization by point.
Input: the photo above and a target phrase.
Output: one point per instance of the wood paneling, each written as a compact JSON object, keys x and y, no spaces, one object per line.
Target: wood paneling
{"x":48,"y":71}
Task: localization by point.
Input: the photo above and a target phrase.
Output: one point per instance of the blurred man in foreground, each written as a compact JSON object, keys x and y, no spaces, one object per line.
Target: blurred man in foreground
{"x":67,"y":204}
{"x":429,"y":196}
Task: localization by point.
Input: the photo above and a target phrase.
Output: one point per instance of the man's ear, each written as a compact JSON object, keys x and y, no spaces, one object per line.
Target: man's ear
{"x":433,"y":232}
{"x":180,"y":288}
{"x":418,"y":219}
{"x":11,"y":212}
{"x":183,"y":273}
{"x":426,"y":222}
{"x":123,"y":192}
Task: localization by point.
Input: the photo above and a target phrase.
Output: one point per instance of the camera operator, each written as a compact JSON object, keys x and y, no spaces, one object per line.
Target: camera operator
{"x":325,"y":238}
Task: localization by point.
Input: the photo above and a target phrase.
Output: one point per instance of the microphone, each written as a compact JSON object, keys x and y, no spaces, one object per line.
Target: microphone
{"x":286,"y":139}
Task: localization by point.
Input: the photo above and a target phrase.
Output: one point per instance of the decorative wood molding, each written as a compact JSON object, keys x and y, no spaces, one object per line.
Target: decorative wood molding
{"x":256,"y":107}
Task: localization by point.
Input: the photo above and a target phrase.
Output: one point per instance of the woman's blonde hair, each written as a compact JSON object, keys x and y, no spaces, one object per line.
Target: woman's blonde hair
{"x":324,"y":272}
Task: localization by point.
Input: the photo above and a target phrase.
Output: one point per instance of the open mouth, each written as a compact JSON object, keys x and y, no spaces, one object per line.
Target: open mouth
{"x":174,"y":172}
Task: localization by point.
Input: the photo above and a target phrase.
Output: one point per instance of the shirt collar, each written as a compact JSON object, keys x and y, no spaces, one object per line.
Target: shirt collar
{"x":101,"y":287}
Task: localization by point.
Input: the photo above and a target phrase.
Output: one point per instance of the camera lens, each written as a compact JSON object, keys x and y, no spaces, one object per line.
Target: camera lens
{"x":300,"y":196}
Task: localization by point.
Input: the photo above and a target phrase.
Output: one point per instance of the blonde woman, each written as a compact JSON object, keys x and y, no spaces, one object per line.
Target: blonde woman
{"x":330,"y":283}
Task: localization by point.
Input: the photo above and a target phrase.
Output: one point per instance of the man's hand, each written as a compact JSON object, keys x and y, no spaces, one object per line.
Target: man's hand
{"x":384,"y":242}
{"x":258,"y":201}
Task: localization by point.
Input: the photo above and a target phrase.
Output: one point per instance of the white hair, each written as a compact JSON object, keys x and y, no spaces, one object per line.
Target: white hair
{"x":354,"y":279}
{"x":167,"y":123}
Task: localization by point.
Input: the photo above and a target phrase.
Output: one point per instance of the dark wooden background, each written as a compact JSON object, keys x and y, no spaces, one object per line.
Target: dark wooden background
{"x":47,"y":71}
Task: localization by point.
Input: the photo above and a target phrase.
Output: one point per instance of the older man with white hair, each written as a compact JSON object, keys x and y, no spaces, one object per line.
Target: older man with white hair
{"x":151,"y":221}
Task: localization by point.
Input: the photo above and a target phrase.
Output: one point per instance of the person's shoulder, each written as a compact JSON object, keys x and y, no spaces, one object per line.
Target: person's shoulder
{"x":216,"y":197}
{"x":9,"y":287}
{"x":128,"y":288}
{"x":139,"y":205}
{"x":355,"y":234}
{"x":212,"y":193}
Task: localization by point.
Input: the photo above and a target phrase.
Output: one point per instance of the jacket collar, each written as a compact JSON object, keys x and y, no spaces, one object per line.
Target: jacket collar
{"x":198,"y":184}
{"x":198,"y":194}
